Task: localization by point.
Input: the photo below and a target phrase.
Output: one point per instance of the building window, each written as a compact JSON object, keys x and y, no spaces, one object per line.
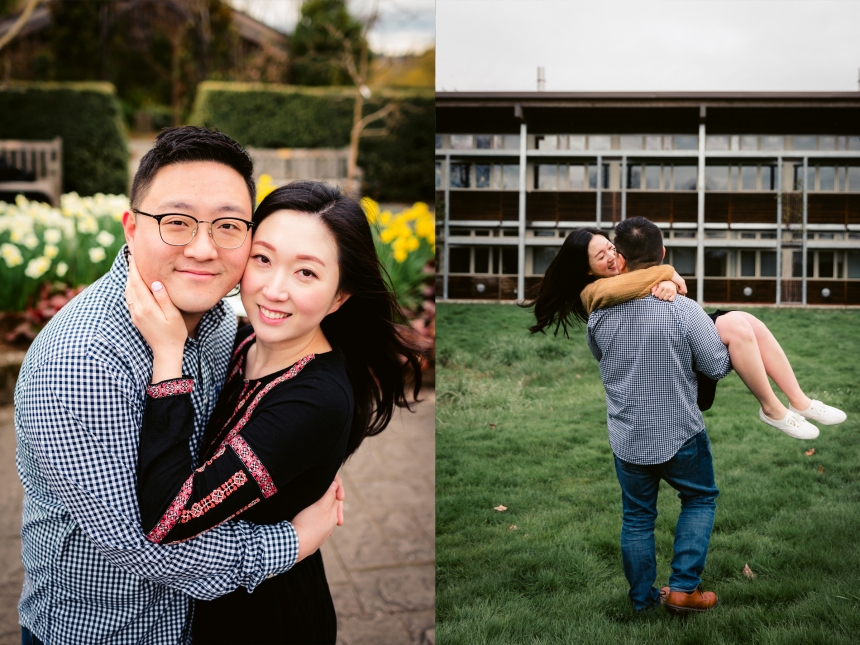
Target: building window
{"x":853,"y":264}
{"x":505,"y":177}
{"x":797,"y":264}
{"x":767,"y":175}
{"x":576,"y":177}
{"x":547,"y":142}
{"x":853,"y":179}
{"x":576,"y":142}
{"x":716,"y":177}
{"x":459,"y":259}
{"x":748,"y":261}
{"x":438,"y":141}
{"x":541,"y":259}
{"x":482,"y":175}
{"x":685,"y":177}
{"x":482,"y":259}
{"x":484,"y":142}
{"x":716,"y":263}
{"x":511,"y":142}
{"x":684,"y":260}
{"x":631,"y":142}
{"x":748,"y":177}
{"x":652,"y":177}
{"x":546,"y":177}
{"x":634,"y":177}
{"x":804,"y":143}
{"x":749,"y":143}
{"x":768,"y":264}
{"x":438,"y":174}
{"x":600,"y":142}
{"x":459,"y":175}
{"x":773,"y":143}
{"x":826,"y":178}
{"x":509,"y":262}
{"x":686,"y":142}
{"x":826,"y":265}
{"x":592,"y":176}
{"x":654,"y":142}
{"x":462,"y":141}
{"x":717,"y":142}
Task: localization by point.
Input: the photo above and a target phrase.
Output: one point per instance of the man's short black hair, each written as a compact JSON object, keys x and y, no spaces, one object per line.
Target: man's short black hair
{"x":640,"y":242}
{"x":187,"y":144}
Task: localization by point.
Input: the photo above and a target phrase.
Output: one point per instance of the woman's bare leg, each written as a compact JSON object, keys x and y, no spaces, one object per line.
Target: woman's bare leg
{"x":738,"y":335}
{"x":775,"y":362}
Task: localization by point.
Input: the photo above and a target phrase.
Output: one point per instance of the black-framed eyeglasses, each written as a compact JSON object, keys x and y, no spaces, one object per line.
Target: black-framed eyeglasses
{"x":178,"y":229}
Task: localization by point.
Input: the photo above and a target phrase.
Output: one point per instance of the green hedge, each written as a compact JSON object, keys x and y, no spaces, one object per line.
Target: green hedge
{"x":398,"y":167}
{"x":86,"y":116}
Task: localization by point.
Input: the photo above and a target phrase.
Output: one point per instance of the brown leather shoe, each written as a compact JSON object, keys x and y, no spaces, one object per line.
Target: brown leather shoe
{"x":695,"y":601}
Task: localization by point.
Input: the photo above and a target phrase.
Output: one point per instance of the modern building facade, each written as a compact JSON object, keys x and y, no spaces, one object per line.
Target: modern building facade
{"x":757,"y":194}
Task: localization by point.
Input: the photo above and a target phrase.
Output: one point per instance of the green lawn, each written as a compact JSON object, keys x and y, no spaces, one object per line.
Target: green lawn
{"x":521,"y":422}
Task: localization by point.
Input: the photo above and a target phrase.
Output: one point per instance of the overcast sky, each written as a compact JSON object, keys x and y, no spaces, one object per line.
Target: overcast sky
{"x":404,"y":26}
{"x":648,"y":45}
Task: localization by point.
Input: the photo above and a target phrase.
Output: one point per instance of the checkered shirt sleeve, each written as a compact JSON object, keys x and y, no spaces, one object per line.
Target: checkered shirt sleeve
{"x":646,"y":350}
{"x":90,"y":574}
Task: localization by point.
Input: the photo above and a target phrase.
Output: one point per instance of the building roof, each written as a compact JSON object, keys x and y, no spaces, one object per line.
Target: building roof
{"x":642,"y":112}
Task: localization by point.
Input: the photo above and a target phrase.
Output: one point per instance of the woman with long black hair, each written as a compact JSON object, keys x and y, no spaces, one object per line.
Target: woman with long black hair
{"x":323,"y":365}
{"x":584,"y":276}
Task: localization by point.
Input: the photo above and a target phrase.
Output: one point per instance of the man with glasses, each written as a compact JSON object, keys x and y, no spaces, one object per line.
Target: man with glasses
{"x":90,"y":574}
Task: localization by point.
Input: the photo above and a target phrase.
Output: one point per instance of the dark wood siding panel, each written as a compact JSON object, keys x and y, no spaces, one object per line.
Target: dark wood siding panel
{"x":826,"y":209}
{"x":763,"y":291}
{"x":542,"y":207}
{"x":685,"y":207}
{"x":657,"y":207}
{"x":717,"y":207}
{"x":577,"y":206}
{"x":752,"y":208}
{"x":837,"y":295}
{"x":489,"y":205}
{"x":716,"y":290}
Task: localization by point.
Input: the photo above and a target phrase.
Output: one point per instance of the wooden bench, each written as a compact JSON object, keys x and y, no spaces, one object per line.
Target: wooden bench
{"x":44,"y":159}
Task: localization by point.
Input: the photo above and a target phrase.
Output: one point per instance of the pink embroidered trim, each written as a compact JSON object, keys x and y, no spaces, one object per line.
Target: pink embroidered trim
{"x":241,"y":510}
{"x":241,"y":357}
{"x":170,"y":388}
{"x":258,"y":471}
{"x":214,"y":498}
{"x":286,"y":376}
{"x":169,"y":519}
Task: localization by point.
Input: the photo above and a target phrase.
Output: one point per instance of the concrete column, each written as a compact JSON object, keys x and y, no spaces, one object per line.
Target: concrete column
{"x":803,"y":229}
{"x":623,"y":188}
{"x":599,"y":209}
{"x":778,"y":231}
{"x":700,"y":231}
{"x":521,"y":241}
{"x":447,"y":227}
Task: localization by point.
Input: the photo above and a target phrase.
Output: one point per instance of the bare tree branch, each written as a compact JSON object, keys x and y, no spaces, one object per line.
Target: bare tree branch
{"x":19,"y":24}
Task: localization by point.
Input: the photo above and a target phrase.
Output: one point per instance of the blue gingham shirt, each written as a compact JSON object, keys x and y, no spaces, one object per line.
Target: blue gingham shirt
{"x":647,"y":351}
{"x":90,"y":574}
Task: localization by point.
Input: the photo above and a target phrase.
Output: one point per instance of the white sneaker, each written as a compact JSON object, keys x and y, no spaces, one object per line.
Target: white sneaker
{"x":793,"y":425}
{"x":817,"y":411}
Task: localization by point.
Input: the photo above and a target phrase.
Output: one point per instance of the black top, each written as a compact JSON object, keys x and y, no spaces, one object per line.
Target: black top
{"x":272,"y":447}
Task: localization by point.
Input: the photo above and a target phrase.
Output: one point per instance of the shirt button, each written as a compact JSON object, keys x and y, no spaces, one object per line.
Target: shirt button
{"x":206,"y":400}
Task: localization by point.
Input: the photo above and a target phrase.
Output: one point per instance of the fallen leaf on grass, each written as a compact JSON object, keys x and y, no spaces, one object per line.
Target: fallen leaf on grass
{"x":493,"y":426}
{"x":821,"y":469}
{"x":512,"y":527}
{"x":810,"y":452}
{"x":748,"y":572}
{"x":500,"y":508}
{"x":578,"y":376}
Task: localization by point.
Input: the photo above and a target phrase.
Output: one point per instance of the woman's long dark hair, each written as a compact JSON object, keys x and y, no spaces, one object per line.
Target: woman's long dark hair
{"x":567,"y":275}
{"x":383,"y":357}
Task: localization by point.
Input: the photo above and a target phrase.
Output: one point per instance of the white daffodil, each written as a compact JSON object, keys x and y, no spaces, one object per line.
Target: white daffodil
{"x":37,"y":266}
{"x":53,"y":235}
{"x":51,"y":251}
{"x":30,"y":241}
{"x":97,"y":254}
{"x":88,"y":224}
{"x":11,"y":255}
{"x":105,"y":239}
{"x":62,"y":267}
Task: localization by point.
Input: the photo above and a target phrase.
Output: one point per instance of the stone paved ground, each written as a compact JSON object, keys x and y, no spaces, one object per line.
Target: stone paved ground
{"x":380,"y":565}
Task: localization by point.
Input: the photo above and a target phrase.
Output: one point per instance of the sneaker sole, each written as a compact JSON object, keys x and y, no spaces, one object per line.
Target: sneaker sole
{"x":763,"y":419}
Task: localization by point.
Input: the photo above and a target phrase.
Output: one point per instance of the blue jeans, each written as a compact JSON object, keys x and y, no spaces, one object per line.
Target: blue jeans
{"x":691,"y":473}
{"x":27,"y":637}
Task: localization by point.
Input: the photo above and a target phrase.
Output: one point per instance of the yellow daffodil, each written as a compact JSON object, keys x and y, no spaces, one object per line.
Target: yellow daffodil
{"x":37,"y":267}
{"x":11,"y":255}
